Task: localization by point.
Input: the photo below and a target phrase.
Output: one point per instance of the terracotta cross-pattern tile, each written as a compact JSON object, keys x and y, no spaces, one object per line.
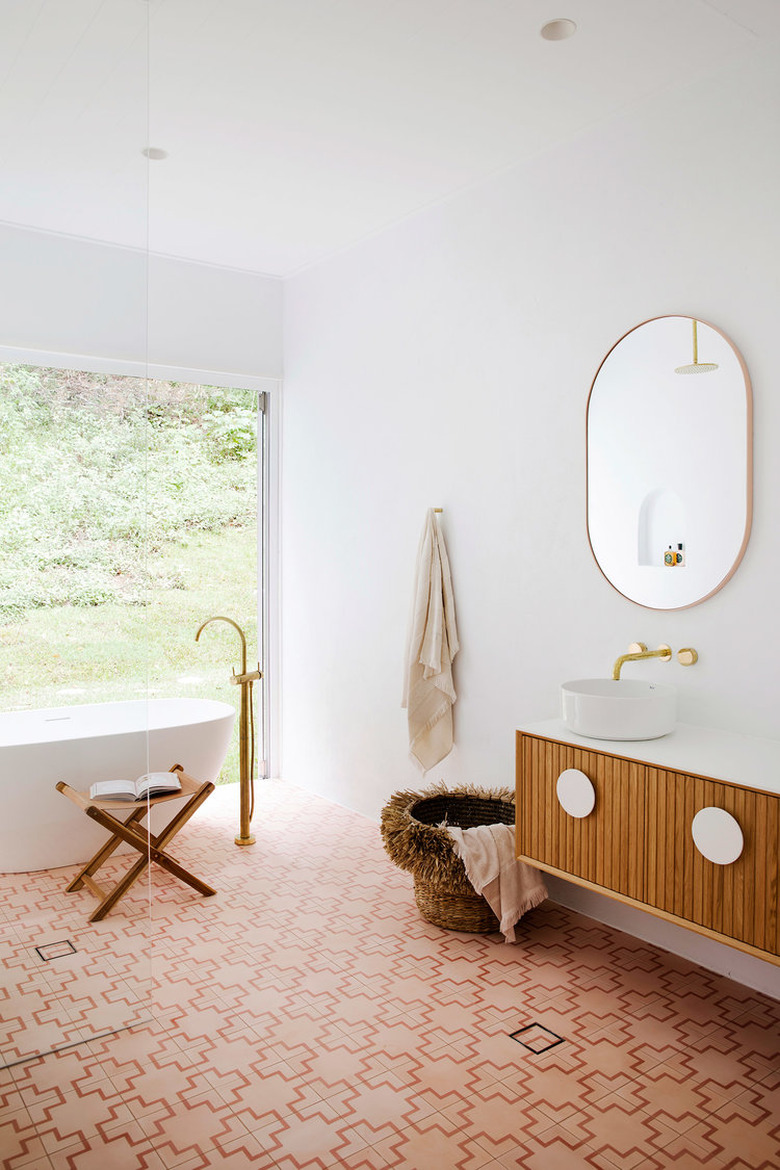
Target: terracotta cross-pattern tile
{"x":307,"y":1017}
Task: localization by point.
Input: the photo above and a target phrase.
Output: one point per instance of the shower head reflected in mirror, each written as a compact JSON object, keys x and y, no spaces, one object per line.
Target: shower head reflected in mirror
{"x":696,"y":367}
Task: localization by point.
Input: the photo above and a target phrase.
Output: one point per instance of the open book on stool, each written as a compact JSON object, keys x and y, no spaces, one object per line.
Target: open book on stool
{"x":151,"y":784}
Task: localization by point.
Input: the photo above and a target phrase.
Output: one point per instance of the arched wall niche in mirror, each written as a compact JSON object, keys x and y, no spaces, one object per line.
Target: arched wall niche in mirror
{"x":669,"y":462}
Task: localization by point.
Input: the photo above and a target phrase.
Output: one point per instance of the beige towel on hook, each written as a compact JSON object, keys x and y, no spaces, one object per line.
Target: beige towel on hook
{"x":510,"y":887}
{"x":432,"y":643}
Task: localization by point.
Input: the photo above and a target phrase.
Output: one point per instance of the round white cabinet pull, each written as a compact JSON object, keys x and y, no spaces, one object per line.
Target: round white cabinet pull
{"x":717,"y":835}
{"x":576,"y":794}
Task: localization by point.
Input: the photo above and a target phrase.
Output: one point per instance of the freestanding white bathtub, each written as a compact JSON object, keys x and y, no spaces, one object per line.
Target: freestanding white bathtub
{"x":39,"y":828}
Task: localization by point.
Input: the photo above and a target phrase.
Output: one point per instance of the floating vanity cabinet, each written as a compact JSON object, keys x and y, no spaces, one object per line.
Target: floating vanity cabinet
{"x":646,"y":826}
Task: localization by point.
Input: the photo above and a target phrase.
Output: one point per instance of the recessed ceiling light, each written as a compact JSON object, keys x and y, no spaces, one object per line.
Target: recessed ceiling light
{"x":154,"y":152}
{"x":558,"y":30}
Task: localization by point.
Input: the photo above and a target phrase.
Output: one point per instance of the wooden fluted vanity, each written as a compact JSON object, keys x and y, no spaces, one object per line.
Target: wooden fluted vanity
{"x":631,"y":832}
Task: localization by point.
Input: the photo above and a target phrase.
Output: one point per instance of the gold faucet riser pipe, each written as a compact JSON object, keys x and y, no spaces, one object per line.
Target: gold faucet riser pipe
{"x":244,"y":680}
{"x":245,"y":837}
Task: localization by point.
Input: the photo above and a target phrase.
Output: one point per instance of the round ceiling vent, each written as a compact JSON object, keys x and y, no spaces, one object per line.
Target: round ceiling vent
{"x":558,"y":30}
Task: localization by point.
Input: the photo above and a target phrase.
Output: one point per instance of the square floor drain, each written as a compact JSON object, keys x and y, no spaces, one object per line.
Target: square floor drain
{"x":536,"y":1038}
{"x":56,"y":950}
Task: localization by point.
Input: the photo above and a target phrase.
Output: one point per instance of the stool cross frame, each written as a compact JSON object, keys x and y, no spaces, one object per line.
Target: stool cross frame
{"x":151,"y":846}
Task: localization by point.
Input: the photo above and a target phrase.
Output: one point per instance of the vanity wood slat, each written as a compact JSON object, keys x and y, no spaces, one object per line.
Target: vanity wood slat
{"x":586,"y":847}
{"x":637,"y":844}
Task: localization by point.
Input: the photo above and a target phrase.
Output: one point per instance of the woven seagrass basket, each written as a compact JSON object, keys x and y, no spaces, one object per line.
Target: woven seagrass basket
{"x":415,"y":841}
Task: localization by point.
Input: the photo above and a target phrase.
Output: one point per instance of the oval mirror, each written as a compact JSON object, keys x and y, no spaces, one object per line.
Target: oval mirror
{"x":669,"y":462}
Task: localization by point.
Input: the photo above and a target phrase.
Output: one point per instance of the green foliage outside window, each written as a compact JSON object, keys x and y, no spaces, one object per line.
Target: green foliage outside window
{"x":100,"y":474}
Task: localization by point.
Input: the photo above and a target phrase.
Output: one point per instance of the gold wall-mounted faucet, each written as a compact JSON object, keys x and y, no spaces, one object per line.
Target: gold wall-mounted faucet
{"x":636,"y":652}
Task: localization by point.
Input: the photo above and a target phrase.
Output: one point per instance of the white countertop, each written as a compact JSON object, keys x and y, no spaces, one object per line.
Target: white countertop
{"x":704,"y":751}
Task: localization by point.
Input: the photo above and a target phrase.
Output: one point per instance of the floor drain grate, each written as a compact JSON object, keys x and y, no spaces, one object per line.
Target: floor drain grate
{"x":536,"y":1038}
{"x":56,"y":950}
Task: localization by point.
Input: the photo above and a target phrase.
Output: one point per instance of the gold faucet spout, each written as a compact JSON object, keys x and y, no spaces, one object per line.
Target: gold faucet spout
{"x":637,"y":652}
{"x":236,"y":626}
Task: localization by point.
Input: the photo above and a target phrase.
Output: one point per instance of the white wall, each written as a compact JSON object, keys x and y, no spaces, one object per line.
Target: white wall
{"x":70,"y":296}
{"x":447,"y":362}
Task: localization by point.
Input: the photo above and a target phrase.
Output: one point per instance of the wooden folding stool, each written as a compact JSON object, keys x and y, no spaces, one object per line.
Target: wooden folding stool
{"x":152,"y":847}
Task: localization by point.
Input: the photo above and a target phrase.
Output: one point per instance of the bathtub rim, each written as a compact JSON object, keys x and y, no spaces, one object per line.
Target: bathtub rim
{"x":15,"y":728}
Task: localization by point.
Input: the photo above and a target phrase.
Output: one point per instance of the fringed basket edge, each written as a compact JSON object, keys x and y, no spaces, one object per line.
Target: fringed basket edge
{"x":427,"y":851}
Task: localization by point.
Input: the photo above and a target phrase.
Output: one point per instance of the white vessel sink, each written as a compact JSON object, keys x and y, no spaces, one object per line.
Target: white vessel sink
{"x":602,"y":708}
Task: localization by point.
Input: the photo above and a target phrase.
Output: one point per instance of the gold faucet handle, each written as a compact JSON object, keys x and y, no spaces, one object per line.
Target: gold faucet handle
{"x":687,"y":656}
{"x":641,"y":648}
{"x":249,"y":676}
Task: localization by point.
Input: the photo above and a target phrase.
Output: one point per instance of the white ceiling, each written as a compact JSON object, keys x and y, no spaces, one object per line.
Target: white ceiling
{"x":297,"y":127}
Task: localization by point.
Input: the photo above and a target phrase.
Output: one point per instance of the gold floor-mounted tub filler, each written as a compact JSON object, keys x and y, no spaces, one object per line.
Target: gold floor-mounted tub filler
{"x":246,"y":759}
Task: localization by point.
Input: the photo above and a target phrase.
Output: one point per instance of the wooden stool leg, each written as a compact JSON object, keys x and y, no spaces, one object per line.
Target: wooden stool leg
{"x":183,"y":815}
{"x":169,"y":832}
{"x":120,"y":889}
{"x":165,"y":861}
{"x":94,"y":864}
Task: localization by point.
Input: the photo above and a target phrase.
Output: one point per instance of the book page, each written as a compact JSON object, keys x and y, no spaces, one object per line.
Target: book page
{"x":112,"y":790}
{"x":157,"y":782}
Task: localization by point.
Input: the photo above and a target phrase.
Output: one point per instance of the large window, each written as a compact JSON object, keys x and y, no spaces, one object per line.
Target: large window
{"x":128,"y":515}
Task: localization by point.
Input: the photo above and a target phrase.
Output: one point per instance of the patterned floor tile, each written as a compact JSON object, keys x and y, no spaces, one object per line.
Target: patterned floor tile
{"x":125,"y":1148}
{"x":369,"y":1158}
{"x":376,"y":1108}
{"x":11,"y":1100}
{"x":554,"y":1148}
{"x":742,"y":1126}
{"x":301,"y":1019}
{"x":64,"y":1117}
{"x":242,"y":1153}
{"x":197,"y":1130}
{"x":19,"y":1140}
{"x":313,"y":1135}
{"x":436,"y":1142}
